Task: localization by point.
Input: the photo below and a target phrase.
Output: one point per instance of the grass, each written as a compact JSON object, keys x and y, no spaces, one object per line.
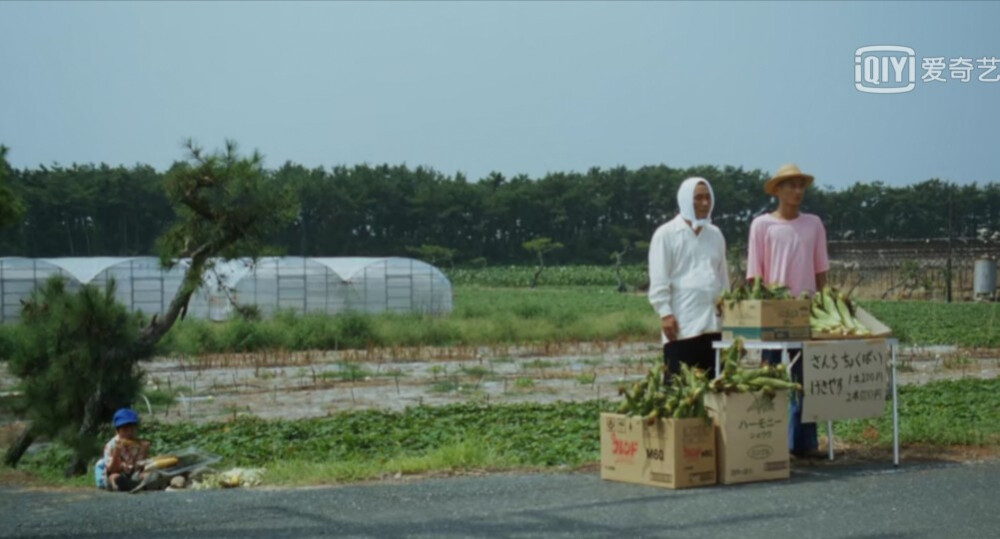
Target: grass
{"x":475,"y":371}
{"x":524,"y":383}
{"x":520,"y":276}
{"x":928,"y":322}
{"x":347,"y":372}
{"x":48,"y":466}
{"x":446,"y":385}
{"x":359,"y":445}
{"x":453,"y":384}
{"x":368,"y":444}
{"x":515,"y":316}
{"x":161,"y":398}
{"x":950,"y":412}
{"x":959,"y":362}
{"x":457,"y":457}
{"x":509,"y":316}
{"x":481,"y":316}
{"x":438,"y":369}
{"x":538,"y":365}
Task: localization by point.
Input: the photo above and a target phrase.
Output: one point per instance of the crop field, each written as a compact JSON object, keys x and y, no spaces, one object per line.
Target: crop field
{"x":476,"y":436}
{"x":547,"y":316}
{"x":515,"y":375}
{"x":520,"y":276}
{"x":969,"y":325}
{"x":500,"y":345}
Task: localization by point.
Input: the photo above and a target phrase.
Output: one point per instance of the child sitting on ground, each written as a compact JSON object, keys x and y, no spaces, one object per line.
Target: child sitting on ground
{"x":124,"y":452}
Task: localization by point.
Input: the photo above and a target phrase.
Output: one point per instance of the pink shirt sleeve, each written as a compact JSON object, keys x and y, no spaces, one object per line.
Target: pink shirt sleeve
{"x":820,"y":260}
{"x":755,"y":256}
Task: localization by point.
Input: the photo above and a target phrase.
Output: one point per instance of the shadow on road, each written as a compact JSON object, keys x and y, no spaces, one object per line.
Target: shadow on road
{"x":825,"y":471}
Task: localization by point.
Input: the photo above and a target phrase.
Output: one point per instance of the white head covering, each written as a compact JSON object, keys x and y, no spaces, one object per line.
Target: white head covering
{"x":685,"y":201}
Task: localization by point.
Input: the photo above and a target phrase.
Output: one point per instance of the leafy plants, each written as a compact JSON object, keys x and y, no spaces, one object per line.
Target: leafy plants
{"x":927,"y":322}
{"x":561,"y":276}
{"x":756,"y":289}
{"x":524,"y":383}
{"x":359,"y":445}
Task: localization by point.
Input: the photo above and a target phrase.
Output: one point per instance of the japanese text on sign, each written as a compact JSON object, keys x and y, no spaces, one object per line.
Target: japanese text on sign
{"x":844,"y":379}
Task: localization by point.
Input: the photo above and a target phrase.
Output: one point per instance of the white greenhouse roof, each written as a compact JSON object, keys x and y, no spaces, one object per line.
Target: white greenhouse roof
{"x":348,"y":267}
{"x":229,"y":272}
{"x":84,"y":269}
{"x":301,"y":284}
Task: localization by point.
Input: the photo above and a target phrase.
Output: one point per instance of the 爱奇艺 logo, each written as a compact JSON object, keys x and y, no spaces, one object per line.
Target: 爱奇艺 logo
{"x":892,"y":69}
{"x":885,"y":69}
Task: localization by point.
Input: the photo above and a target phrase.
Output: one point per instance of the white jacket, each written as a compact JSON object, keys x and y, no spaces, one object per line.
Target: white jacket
{"x":687,"y":273}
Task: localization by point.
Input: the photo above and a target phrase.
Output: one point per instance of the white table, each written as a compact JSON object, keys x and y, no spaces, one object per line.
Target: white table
{"x":785,"y":346}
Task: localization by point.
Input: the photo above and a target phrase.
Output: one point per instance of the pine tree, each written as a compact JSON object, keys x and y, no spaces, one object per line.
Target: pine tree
{"x":62,"y":361}
{"x":79,"y":353}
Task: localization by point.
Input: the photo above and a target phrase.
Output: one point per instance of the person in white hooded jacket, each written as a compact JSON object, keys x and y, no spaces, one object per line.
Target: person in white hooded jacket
{"x":687,"y":274}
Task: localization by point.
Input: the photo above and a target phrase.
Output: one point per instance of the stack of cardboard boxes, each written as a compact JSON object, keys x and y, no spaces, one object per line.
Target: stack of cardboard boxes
{"x":747,"y":437}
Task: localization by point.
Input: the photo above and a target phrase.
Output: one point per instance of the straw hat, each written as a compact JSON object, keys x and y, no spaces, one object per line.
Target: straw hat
{"x":785,"y":172}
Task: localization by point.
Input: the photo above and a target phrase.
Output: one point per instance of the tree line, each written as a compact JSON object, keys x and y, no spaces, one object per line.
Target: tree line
{"x":387,"y":210}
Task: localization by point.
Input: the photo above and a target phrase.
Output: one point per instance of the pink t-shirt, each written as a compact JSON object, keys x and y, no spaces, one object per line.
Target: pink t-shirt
{"x":790,"y":253}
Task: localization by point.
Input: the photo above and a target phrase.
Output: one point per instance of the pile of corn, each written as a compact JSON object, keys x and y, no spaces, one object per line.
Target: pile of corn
{"x":681,"y":398}
{"x":736,"y":379}
{"x":757,"y":290}
{"x":683,"y":395}
{"x":832,"y":312}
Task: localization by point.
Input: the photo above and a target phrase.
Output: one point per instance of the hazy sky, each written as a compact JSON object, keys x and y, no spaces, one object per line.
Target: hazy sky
{"x":512,"y":87}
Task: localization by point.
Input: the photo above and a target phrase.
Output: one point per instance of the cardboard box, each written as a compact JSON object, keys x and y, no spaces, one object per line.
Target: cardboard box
{"x":752,"y":436}
{"x":671,"y":453}
{"x":767,"y":319}
{"x":877,"y":328}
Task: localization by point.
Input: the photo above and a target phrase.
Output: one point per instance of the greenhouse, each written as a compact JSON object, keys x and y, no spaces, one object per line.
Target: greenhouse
{"x":293,"y":284}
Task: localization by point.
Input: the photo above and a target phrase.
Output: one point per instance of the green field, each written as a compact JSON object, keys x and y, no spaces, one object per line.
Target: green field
{"x":947,"y":412}
{"x":361,"y":445}
{"x":520,"y":276}
{"x":929,"y":322}
{"x":481,"y":316}
{"x":510,"y":316}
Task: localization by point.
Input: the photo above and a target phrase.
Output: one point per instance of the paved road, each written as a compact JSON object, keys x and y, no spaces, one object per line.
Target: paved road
{"x":937,"y":500}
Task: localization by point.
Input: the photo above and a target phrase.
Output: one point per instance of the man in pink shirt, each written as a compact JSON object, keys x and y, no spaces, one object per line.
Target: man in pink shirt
{"x":788,"y":247}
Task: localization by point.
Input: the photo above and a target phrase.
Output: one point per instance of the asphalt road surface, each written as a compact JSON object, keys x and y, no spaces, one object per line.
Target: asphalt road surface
{"x":916,"y":500}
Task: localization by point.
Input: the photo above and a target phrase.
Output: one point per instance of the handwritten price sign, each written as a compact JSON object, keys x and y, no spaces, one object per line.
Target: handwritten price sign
{"x":844,"y":379}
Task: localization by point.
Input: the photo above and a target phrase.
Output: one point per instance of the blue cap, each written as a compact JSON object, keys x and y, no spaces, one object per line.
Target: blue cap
{"x":125,"y":416}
